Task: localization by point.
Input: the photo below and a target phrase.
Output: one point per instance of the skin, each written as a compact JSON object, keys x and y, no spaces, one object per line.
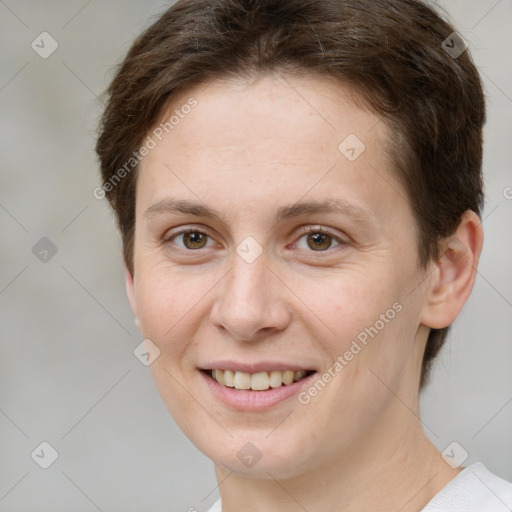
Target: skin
{"x":246,"y":149}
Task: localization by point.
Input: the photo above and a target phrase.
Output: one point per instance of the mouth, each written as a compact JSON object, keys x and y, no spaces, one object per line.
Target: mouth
{"x":260,"y":381}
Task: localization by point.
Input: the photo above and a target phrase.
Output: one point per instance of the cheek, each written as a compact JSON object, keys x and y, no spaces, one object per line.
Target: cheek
{"x":167,"y":304}
{"x":347,"y":302}
{"x":371,"y":322}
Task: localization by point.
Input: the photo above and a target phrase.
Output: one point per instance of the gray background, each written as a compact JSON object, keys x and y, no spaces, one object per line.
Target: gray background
{"x":67,"y":372}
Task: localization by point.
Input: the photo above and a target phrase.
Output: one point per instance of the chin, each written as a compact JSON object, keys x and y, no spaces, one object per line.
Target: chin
{"x":255,"y":454}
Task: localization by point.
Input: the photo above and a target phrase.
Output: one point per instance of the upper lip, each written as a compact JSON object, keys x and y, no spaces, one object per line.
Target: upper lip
{"x":260,"y":366}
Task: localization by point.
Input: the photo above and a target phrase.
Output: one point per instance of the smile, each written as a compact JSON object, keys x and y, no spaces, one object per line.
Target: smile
{"x":260,"y":381}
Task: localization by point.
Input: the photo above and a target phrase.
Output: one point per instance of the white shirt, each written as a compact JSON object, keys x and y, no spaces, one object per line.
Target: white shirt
{"x":474,"y":489}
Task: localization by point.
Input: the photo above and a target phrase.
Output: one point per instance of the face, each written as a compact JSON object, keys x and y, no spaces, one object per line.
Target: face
{"x":269,"y":239}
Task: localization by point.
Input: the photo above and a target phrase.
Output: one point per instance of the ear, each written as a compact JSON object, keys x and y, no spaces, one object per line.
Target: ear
{"x":454,"y":273}
{"x":130,"y":292}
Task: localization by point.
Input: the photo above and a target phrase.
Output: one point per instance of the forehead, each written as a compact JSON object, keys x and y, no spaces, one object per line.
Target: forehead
{"x":272,"y":140}
{"x":304,"y":111}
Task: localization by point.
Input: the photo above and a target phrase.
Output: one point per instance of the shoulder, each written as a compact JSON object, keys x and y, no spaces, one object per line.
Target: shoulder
{"x":474,"y":489}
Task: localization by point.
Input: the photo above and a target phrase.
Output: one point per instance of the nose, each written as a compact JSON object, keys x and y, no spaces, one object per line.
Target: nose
{"x":251,"y":303}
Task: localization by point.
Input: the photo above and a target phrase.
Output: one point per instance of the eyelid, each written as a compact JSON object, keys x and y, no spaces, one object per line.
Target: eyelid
{"x":170,"y":234}
{"x":317,"y":228}
{"x":173,"y":232}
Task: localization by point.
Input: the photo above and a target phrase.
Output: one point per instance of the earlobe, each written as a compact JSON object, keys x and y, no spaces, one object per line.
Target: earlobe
{"x":455,"y":273}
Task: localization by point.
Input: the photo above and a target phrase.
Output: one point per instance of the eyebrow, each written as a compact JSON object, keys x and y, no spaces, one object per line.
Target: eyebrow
{"x":170,"y":205}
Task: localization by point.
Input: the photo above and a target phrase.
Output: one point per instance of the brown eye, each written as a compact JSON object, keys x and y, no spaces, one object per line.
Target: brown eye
{"x":194,"y":240}
{"x":190,"y":239}
{"x":319,"y":241}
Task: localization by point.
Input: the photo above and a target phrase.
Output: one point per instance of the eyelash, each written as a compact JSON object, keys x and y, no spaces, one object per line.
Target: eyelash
{"x":310,"y":229}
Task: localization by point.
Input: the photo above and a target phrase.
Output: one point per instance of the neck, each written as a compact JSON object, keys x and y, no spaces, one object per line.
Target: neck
{"x":393,"y":469}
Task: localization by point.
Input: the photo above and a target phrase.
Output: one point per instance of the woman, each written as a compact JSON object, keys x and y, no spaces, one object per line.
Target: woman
{"x":298,"y":188}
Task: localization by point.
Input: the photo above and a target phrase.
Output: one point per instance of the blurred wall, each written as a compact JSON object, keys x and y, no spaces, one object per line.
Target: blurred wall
{"x":67,"y":372}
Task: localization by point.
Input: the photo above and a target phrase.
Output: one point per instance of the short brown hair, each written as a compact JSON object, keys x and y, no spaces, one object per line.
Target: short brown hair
{"x":390,"y":51}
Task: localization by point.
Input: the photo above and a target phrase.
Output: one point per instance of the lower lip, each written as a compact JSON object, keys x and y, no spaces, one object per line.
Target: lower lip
{"x":246,"y":400}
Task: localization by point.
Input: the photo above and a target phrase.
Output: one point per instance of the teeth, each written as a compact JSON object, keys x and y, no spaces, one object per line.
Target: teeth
{"x":229,"y":378}
{"x":299,"y":375}
{"x":287,"y":377}
{"x":276,"y":379}
{"x":242,"y":380}
{"x":218,"y":375}
{"x":260,"y":381}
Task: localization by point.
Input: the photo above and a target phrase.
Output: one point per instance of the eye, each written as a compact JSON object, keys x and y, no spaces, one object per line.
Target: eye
{"x":318,"y":240}
{"x":191,"y":239}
